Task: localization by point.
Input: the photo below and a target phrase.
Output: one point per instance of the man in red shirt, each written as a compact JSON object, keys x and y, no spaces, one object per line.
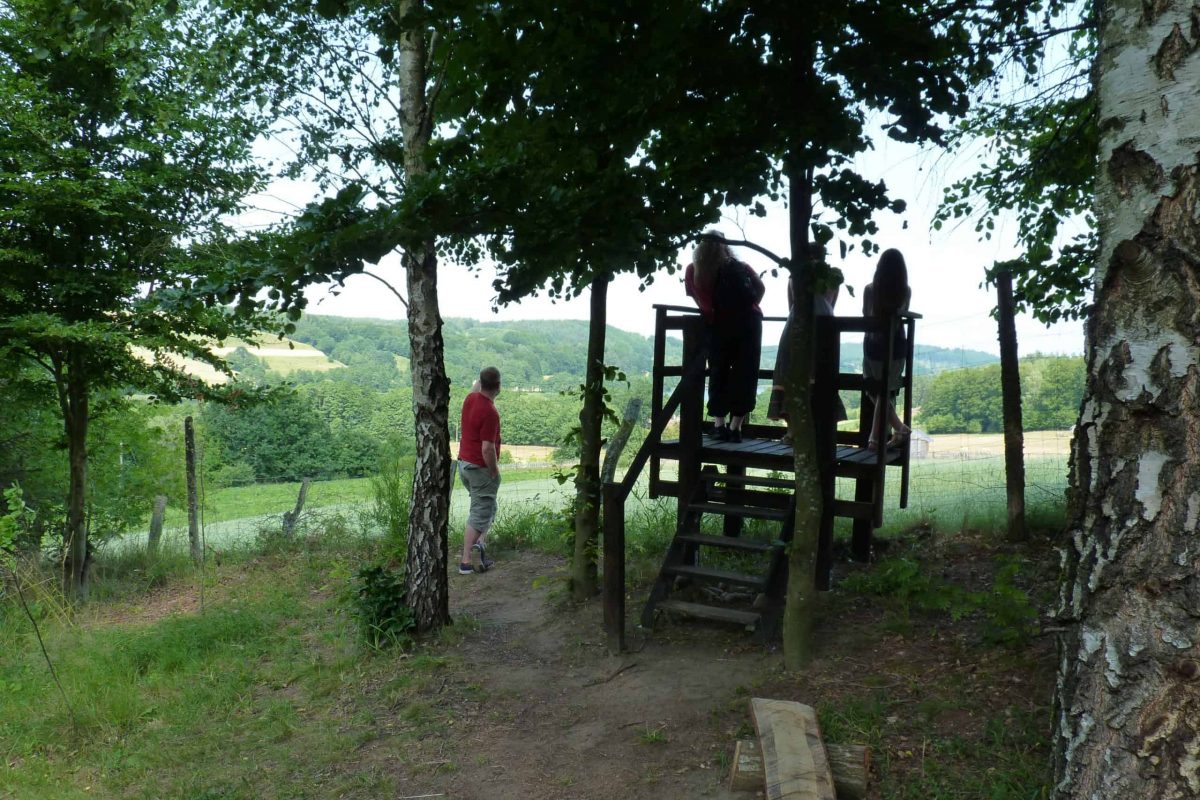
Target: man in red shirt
{"x":479,"y":465}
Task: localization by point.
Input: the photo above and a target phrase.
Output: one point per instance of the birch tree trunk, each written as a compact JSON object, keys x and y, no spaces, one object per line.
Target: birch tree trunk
{"x":429,"y":514}
{"x":587,"y":480}
{"x":1128,"y":694}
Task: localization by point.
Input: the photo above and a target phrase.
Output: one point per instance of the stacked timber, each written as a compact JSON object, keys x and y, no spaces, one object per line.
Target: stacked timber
{"x":790,"y":761}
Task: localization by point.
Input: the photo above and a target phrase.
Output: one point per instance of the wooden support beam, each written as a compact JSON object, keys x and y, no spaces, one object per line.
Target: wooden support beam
{"x":613,"y":583}
{"x":795,"y":763}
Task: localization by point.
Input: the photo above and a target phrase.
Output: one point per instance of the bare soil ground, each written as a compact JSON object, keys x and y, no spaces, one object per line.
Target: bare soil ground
{"x":540,"y":710}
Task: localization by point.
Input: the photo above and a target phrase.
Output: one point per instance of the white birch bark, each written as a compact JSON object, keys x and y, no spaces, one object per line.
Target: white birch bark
{"x":429,"y":514}
{"x":1127,"y":717}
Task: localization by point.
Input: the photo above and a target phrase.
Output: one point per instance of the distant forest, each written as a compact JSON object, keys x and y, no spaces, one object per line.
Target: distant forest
{"x":342,"y":421}
{"x":533,"y":355}
{"x":368,"y":401}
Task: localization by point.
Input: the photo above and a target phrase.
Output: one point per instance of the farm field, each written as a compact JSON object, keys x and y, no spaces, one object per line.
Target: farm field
{"x":987,"y":445}
{"x":962,"y":488}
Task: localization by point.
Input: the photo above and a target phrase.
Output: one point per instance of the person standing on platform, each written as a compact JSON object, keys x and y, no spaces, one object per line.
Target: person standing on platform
{"x":479,"y":466}
{"x":887,"y":294}
{"x":727,"y":292}
{"x":777,"y":408}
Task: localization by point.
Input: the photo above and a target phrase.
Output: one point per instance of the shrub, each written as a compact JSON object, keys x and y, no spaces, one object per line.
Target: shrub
{"x":380,"y":606}
{"x":391,"y":492}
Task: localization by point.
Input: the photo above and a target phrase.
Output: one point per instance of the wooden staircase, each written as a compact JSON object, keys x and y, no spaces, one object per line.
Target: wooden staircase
{"x":688,"y":563}
{"x":712,"y":479}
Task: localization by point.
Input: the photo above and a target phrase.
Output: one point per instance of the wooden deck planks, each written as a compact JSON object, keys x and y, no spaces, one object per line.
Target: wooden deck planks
{"x":795,"y":764}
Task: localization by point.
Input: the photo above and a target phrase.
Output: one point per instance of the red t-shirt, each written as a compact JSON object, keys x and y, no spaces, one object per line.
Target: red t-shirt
{"x":704,"y":299}
{"x":480,"y":423}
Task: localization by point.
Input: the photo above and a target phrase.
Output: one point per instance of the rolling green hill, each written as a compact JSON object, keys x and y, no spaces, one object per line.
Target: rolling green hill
{"x":534,"y":355}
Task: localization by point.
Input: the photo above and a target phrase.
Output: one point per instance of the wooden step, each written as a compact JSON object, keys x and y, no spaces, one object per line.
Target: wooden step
{"x":853,"y":509}
{"x":730,"y":510}
{"x":737,"y":617}
{"x":716,"y":575}
{"x":749,"y":480}
{"x":727,"y":542}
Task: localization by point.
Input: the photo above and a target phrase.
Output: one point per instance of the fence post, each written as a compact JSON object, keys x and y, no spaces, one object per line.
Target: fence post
{"x":189,"y":450}
{"x":1010,"y":389}
{"x":156,"y":523}
{"x":290,"y":518}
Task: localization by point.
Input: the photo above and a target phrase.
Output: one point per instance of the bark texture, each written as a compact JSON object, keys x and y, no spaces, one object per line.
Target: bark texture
{"x":1128,"y":693}
{"x":429,"y":514}
{"x":587,"y":479}
{"x":1010,"y":390}
{"x":801,"y":599}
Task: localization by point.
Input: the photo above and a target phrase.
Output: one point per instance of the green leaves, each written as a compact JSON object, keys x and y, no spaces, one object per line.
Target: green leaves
{"x":1040,"y":152}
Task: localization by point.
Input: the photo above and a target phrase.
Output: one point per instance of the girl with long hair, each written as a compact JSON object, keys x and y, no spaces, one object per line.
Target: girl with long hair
{"x":728,"y":292}
{"x":887,"y":294}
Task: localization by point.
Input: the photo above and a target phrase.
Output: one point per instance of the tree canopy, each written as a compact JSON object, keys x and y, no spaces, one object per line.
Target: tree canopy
{"x":126,"y":145}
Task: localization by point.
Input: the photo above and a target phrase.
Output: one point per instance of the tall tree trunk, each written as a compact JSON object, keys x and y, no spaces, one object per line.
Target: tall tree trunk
{"x":1128,"y":692}
{"x":801,"y":599}
{"x":587,"y":479}
{"x":1010,"y":390}
{"x":429,"y":514}
{"x":73,"y":397}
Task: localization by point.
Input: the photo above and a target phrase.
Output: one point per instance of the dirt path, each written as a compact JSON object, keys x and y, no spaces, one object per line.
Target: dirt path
{"x":554,"y":716}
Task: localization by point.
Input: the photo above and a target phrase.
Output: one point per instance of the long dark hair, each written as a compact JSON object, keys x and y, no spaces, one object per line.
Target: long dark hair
{"x":710,"y":255}
{"x":890,"y":284}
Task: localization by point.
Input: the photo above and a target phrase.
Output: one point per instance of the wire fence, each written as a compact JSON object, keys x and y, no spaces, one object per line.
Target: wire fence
{"x":241,"y":515}
{"x":957,"y":482}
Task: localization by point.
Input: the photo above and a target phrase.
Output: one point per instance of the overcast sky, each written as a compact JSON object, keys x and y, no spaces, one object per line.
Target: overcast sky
{"x":945,"y":268}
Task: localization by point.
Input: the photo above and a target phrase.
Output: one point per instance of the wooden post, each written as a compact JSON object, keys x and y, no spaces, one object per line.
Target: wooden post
{"x":691,"y":416}
{"x":656,"y":390}
{"x":189,"y":451}
{"x":732,"y":525}
{"x":616,"y":445}
{"x":1010,"y":388}
{"x":614,"y":568}
{"x":156,"y":523}
{"x":864,"y":487}
{"x":824,"y":390}
{"x":290,"y":518}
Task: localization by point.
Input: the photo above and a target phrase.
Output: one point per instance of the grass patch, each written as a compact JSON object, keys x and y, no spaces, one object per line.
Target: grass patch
{"x":260,"y":696}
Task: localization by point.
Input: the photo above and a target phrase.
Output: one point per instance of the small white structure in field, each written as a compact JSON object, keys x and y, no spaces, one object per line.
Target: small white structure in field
{"x":919,"y":442}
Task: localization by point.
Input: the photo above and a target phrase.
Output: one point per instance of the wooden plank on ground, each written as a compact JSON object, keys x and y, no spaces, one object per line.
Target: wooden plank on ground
{"x":850,"y":765}
{"x":795,"y":764}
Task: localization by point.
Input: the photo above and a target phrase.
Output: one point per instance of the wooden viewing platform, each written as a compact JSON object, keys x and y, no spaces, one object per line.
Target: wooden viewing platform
{"x":714,"y":478}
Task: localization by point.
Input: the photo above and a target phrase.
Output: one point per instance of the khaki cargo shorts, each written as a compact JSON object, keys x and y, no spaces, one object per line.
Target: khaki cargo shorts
{"x":483,"y":488}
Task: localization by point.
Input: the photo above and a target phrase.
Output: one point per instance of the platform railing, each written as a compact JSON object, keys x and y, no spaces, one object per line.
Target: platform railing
{"x":687,"y":398}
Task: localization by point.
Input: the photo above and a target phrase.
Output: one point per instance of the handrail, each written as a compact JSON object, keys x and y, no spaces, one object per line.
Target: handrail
{"x":614,"y":495}
{"x":657,"y":426}
{"x":694,"y":310}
